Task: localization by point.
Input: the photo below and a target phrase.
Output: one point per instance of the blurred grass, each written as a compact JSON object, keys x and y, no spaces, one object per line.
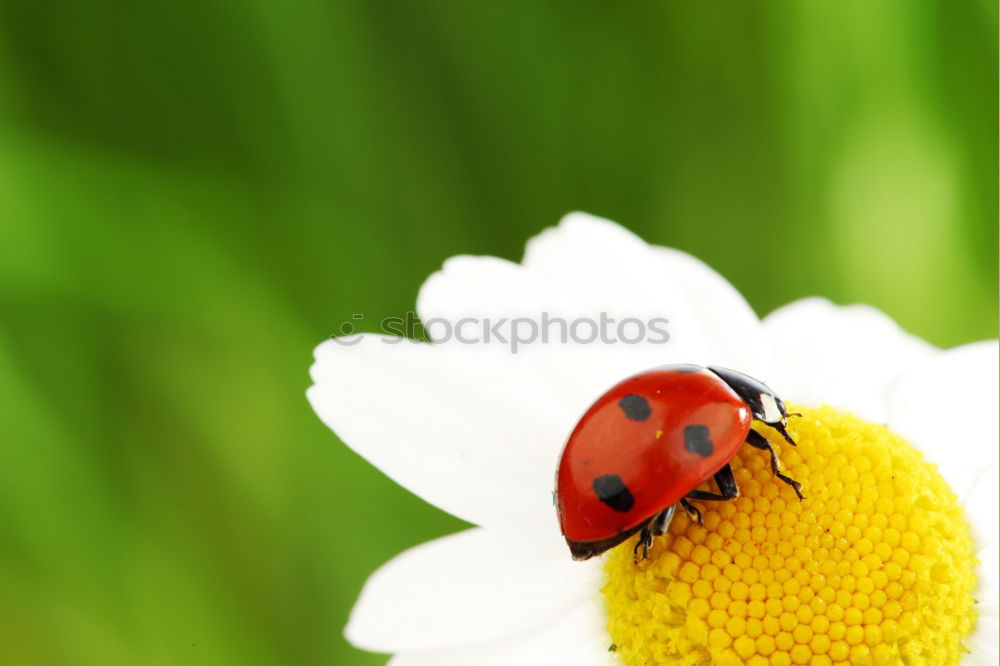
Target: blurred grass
{"x":192,"y":195}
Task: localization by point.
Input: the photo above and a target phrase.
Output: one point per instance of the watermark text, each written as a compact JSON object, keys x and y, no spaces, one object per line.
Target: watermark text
{"x":513,"y":332}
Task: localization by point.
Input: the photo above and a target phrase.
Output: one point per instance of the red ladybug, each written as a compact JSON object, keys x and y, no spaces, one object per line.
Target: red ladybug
{"x":645,"y":446}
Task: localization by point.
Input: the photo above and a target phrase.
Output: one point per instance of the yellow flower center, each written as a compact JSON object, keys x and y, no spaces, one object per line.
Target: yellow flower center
{"x":875,"y":566}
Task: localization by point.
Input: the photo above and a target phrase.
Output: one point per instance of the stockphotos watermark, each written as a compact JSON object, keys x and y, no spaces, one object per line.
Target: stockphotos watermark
{"x":515,"y":332}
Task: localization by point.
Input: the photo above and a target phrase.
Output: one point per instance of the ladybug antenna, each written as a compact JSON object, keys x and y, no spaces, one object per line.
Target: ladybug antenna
{"x":796,"y":414}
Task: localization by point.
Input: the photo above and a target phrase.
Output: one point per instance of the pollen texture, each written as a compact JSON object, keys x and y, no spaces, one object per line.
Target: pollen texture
{"x":874,"y":566}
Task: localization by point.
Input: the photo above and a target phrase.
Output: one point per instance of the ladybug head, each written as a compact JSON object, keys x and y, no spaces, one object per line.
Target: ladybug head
{"x":762,"y":401}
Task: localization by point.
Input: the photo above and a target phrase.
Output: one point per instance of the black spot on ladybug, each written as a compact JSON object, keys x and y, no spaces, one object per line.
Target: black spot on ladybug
{"x":635,"y":407}
{"x":696,"y":440}
{"x":612,"y":491}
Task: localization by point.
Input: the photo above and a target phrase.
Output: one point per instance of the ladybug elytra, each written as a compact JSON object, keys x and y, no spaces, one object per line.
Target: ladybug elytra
{"x":647,"y":444}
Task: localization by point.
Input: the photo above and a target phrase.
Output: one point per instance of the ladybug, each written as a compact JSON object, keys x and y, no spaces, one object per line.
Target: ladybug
{"x":649,"y":442}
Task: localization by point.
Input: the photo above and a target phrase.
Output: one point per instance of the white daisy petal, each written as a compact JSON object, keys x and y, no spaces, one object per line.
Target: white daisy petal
{"x":731,"y":330}
{"x":607,"y":305}
{"x":576,"y":638}
{"x":591,"y":268}
{"x":487,"y":294}
{"x":598,"y":261}
{"x":487,"y":287}
{"x":983,"y":649}
{"x":451,"y":423}
{"x":847,"y":357}
{"x":472,"y":587}
{"x":946,"y":406}
{"x":988,"y":605}
{"x":609,"y":269}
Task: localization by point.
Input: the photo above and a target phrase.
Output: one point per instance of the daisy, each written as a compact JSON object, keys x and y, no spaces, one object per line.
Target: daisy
{"x":891,"y":557}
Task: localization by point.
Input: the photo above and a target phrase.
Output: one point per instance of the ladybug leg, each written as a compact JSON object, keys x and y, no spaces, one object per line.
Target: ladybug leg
{"x":692,"y":511}
{"x":758,"y":441}
{"x":727,"y":484}
{"x":658,"y":526}
{"x":644,"y":542}
{"x":780,"y":427}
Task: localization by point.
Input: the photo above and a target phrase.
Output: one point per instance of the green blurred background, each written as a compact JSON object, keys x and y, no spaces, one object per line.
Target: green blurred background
{"x":194,"y":194}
